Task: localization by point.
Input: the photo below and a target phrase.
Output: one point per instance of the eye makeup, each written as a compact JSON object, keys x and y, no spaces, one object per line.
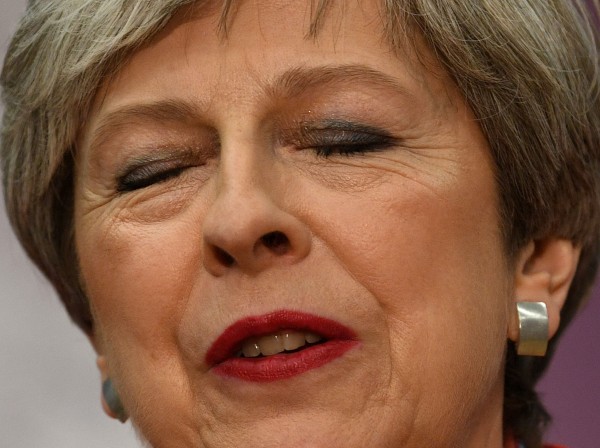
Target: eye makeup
{"x":339,"y":137}
{"x":158,"y":167}
{"x":325,"y":138}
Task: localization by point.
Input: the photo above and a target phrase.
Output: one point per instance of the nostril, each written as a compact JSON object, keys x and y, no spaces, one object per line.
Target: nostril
{"x":277,"y":242}
{"x":224,"y":258}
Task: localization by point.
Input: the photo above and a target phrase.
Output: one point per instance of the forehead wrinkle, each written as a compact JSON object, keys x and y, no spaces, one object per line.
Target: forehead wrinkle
{"x":296,"y":81}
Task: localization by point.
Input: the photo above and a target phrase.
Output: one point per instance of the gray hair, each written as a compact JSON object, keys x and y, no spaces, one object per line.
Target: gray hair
{"x":527,"y":68}
{"x":62,"y":51}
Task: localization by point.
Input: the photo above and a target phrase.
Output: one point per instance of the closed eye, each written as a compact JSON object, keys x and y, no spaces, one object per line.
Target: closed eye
{"x":354,"y":147}
{"x":341,"y":137}
{"x":160,"y":165}
{"x":146,"y":176}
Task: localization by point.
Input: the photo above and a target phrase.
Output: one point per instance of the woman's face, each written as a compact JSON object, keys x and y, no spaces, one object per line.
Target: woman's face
{"x":230,"y":190}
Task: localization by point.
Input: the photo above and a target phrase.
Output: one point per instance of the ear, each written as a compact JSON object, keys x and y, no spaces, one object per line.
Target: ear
{"x":102,"y":365}
{"x":103,"y":368}
{"x":544,"y":270}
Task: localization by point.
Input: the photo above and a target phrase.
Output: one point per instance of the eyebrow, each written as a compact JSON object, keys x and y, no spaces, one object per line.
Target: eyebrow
{"x":292,"y":83}
{"x":158,"y":111}
{"x":297,"y":80}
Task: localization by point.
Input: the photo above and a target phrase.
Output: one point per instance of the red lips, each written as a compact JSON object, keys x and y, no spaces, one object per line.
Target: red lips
{"x":222,"y":354}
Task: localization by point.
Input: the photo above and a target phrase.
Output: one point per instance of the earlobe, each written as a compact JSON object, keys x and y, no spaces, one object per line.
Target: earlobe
{"x":544,"y":271}
{"x":102,"y":366}
{"x":111,"y":402}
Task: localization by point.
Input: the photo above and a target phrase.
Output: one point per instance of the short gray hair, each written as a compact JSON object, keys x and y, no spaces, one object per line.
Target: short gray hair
{"x":62,"y":51}
{"x":527,"y":68}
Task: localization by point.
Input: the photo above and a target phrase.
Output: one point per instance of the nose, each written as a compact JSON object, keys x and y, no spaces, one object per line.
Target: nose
{"x":246,"y":229}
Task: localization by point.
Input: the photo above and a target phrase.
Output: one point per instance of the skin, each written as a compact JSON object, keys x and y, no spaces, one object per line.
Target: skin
{"x":400,"y":242}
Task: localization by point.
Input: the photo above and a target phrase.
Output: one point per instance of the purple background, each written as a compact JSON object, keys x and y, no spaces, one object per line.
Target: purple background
{"x":571,"y":388}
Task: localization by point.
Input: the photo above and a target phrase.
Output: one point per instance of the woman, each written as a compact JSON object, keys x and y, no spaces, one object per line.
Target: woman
{"x":328,"y":225}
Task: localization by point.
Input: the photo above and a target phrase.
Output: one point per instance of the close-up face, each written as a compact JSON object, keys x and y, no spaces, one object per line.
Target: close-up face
{"x":240,"y":194}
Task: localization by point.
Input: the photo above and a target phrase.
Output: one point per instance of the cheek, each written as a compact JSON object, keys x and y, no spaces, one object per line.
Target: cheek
{"x":138,"y":280}
{"x":403,"y":240}
{"x":434,"y":263}
{"x":135,"y":275}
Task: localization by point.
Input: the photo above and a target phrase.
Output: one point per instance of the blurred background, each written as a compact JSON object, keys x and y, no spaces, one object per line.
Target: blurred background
{"x":50,"y":388}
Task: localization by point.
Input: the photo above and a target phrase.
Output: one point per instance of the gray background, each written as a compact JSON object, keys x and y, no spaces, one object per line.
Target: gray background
{"x":49,"y":385}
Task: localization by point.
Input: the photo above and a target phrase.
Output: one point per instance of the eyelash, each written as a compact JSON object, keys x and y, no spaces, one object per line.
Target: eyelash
{"x":146,"y":176}
{"x":334,"y":140}
{"x":342,"y":138}
{"x":351,"y":147}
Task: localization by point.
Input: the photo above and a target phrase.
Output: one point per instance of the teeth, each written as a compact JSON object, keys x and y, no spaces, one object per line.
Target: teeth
{"x":271,"y":345}
{"x":277,"y":343}
{"x":311,"y":338}
{"x":250,"y":349}
{"x":292,"y":340}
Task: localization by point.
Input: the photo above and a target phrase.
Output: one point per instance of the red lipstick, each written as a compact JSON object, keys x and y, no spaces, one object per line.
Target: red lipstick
{"x":223,"y":359}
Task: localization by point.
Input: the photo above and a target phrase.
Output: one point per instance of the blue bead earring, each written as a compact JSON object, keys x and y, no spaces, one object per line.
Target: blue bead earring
{"x":111,"y":397}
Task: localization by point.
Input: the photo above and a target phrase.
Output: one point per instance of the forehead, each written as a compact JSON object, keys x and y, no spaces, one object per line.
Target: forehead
{"x":253,"y":30}
{"x":265,"y":45}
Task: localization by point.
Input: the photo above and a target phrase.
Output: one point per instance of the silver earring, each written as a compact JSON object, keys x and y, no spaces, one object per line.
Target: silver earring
{"x":533,"y":328}
{"x":111,"y":397}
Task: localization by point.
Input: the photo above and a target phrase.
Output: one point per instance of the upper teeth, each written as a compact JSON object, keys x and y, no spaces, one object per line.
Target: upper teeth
{"x":277,"y":343}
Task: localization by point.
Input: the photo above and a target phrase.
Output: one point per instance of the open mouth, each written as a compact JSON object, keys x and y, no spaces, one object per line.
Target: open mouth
{"x":288,"y":341}
{"x":278,"y":345}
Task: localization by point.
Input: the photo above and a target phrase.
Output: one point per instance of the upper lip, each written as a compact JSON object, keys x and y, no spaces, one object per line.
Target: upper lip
{"x":230,"y":340}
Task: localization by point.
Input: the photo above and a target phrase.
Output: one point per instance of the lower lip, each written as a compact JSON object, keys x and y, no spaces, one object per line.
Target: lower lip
{"x":283,"y":366}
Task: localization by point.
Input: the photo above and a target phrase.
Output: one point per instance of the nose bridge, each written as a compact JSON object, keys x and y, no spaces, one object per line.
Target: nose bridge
{"x":244,"y":162}
{"x":247,"y":226}
{"x":243,"y":184}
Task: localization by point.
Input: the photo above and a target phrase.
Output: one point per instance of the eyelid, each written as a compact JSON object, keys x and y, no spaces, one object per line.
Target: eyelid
{"x":146,"y":175}
{"x":159,"y":163}
{"x":304,"y":131}
{"x":342,"y":125}
{"x":341,"y":136}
